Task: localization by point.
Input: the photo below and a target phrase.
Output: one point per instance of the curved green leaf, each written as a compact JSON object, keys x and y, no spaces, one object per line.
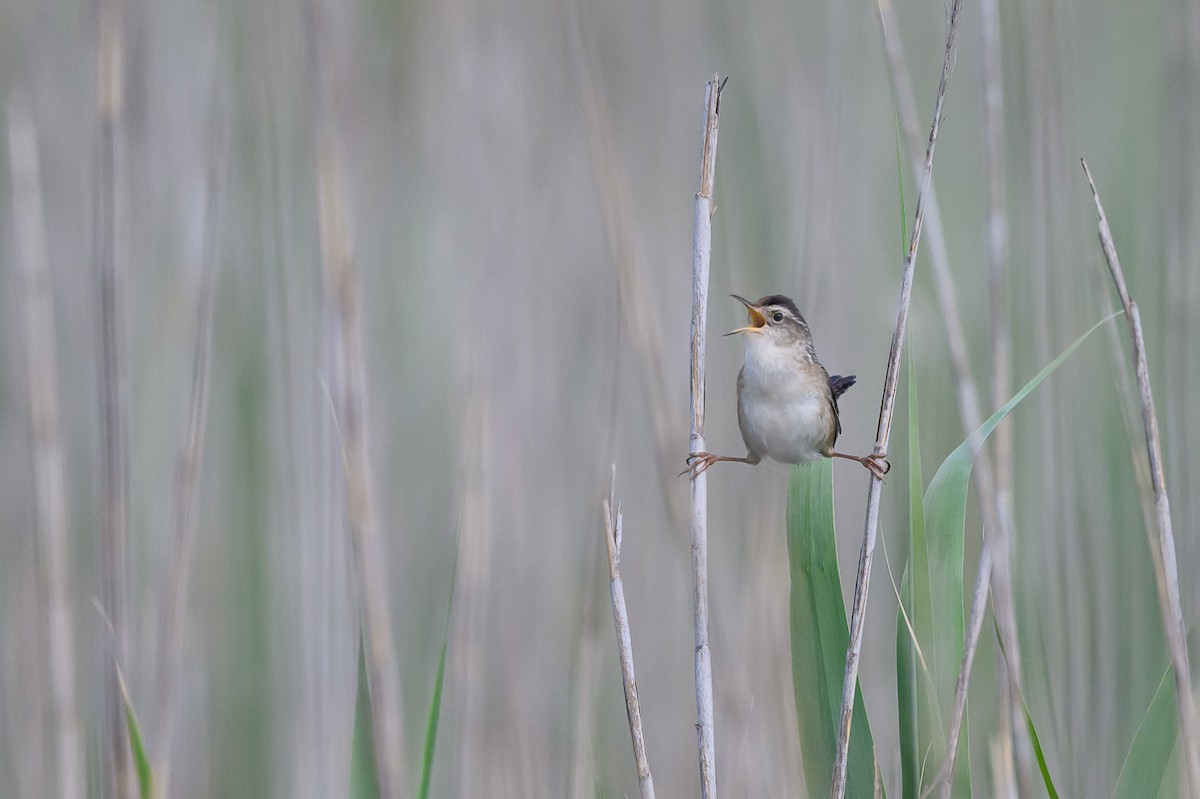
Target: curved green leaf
{"x":1146,"y":763}
{"x":935,"y":595}
{"x":141,"y":761}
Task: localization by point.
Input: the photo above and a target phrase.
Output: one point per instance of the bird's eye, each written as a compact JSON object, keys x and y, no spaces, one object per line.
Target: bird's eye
{"x":778,"y":317}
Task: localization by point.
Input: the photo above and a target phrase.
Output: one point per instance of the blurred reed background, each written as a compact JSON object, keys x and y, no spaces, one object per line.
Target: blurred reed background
{"x":512,"y":188}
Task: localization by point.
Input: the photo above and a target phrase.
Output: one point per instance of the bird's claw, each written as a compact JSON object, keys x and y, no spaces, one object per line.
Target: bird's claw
{"x":877,"y":464}
{"x":697,"y":463}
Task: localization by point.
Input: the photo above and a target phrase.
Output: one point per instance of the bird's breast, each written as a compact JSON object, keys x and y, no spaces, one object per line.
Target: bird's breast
{"x":783,"y":407}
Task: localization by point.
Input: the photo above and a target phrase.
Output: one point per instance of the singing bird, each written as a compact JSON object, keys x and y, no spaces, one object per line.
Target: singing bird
{"x":786,"y":401}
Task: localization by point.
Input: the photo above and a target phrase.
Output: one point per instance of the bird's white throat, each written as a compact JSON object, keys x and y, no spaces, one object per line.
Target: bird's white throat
{"x":767,"y":361}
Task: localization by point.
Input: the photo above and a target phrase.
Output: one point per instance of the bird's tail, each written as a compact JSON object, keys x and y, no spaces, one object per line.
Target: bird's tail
{"x":839,"y":384}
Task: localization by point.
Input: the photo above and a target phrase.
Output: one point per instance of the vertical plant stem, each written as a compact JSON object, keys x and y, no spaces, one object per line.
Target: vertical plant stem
{"x":1163,"y":550}
{"x":370,"y":556}
{"x":473,"y":584}
{"x":979,"y":596}
{"x":612,"y":540}
{"x":187,"y":484}
{"x":1002,"y":537}
{"x":341,"y":284}
{"x":993,"y":500}
{"x":701,"y":255}
{"x":115,"y":515}
{"x":633,"y":293}
{"x":884,"y":429}
{"x":29,"y":229}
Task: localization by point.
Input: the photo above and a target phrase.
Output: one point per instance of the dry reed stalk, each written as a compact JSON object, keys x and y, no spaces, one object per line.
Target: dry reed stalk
{"x":884,"y":429}
{"x":187,"y":482}
{"x":612,"y":540}
{"x":472,"y":588}
{"x":991,"y":484}
{"x":350,"y":398}
{"x":114,"y":531}
{"x":979,"y":594}
{"x":993,"y":500}
{"x":633,"y":294}
{"x":1180,"y":244}
{"x":54,"y":566}
{"x":1016,"y":755}
{"x":701,"y":256}
{"x":581,"y":780}
{"x":1162,"y":549}
{"x":383,"y":674}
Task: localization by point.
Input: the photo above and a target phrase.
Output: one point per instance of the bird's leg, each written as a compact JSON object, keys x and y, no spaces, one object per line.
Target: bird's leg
{"x":876,"y":463}
{"x":698,"y":462}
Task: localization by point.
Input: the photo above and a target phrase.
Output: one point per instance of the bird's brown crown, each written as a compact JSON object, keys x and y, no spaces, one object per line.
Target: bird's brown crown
{"x":783,"y":302}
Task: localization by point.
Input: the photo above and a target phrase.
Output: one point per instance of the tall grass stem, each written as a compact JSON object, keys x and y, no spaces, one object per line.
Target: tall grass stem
{"x":612,"y":541}
{"x":884,"y":429}
{"x":1018,"y":757}
{"x":383,"y":676}
{"x":635,"y":309}
{"x":701,"y":256}
{"x":1163,"y":549}
{"x":114,"y":529}
{"x":187,"y":476}
{"x":996,"y":521}
{"x":350,"y":395}
{"x":54,"y":562}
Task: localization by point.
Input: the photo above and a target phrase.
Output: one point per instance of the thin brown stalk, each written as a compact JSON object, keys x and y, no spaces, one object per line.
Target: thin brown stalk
{"x":996,"y":521}
{"x":983,"y":575}
{"x":997,"y":247}
{"x":114,"y":530}
{"x":991,"y":484}
{"x":187,"y":485}
{"x":350,"y":397}
{"x":1162,"y":549}
{"x":1179,"y":138}
{"x":612,"y":540}
{"x":472,"y":589}
{"x":884,"y":429}
{"x":581,"y":780}
{"x":54,"y":568}
{"x":701,"y":255}
{"x":636,"y":312}
{"x":1015,"y":754}
{"x":383,"y":675}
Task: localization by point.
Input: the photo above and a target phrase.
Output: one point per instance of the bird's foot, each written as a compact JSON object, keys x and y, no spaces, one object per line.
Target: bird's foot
{"x":877,"y":464}
{"x":698,"y":462}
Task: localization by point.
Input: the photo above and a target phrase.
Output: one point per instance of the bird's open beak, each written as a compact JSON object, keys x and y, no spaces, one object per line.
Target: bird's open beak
{"x":757,"y":320}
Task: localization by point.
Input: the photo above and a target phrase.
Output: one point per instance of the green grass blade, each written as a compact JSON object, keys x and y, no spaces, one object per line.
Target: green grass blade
{"x":1036,"y":742}
{"x":941,"y":625}
{"x":141,"y":762}
{"x":435,"y":702}
{"x":906,"y":694}
{"x":820,"y":636}
{"x":913,"y":685}
{"x":1146,"y":764}
{"x":1038,"y":752}
{"x":900,"y":173}
{"x":955,"y":471}
{"x":431,"y":728}
{"x":364,"y":782}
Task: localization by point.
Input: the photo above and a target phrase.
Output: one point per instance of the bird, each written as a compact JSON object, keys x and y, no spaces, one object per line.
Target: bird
{"x":786,"y":400}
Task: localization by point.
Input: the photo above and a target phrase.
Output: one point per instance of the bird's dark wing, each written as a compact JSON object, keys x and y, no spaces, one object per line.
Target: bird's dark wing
{"x":839,"y":384}
{"x":837,"y":387}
